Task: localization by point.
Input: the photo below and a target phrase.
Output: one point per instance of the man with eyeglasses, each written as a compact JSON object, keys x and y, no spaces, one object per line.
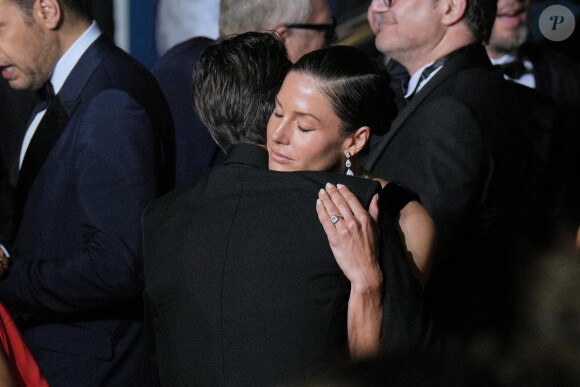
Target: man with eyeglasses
{"x":303,"y":26}
{"x":461,"y":146}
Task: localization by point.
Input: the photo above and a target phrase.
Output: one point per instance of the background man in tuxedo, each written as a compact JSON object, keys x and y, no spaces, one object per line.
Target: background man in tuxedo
{"x":554,"y":104}
{"x":241,"y":286}
{"x":460,"y":145}
{"x":196,"y":150}
{"x":87,"y":165}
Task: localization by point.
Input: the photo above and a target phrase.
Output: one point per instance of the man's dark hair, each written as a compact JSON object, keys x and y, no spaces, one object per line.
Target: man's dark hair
{"x":75,"y":8}
{"x":235,"y":82}
{"x":480,"y":16}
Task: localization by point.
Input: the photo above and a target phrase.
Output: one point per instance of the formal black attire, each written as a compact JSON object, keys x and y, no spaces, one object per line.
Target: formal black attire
{"x":461,"y":145}
{"x":553,"y":106}
{"x":558,"y":77}
{"x":242,"y":288}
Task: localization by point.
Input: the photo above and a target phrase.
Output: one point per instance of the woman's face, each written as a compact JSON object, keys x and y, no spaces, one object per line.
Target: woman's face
{"x":303,"y":131}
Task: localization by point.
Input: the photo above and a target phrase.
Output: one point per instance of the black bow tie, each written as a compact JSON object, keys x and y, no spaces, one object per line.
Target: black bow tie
{"x":514,"y":70}
{"x":45,"y":96}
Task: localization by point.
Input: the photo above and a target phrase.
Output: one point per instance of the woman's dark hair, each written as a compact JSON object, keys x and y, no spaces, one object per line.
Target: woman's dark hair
{"x":236,"y":109}
{"x":358,"y":89}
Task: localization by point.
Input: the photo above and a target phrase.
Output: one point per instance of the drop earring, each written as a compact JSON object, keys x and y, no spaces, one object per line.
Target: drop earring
{"x":348,"y":164}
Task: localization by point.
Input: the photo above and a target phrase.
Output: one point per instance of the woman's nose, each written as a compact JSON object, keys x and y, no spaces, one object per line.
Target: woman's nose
{"x":280,"y":134}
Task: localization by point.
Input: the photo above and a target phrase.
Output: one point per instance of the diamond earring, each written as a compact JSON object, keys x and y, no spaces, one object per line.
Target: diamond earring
{"x":348,"y":164}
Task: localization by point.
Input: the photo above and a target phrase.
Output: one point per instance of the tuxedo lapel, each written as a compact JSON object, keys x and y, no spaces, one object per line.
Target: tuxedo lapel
{"x":463,"y":60}
{"x":379,"y":143}
{"x":49,"y":130}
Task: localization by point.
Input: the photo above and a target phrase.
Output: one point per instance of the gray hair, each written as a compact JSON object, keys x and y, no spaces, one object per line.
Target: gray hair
{"x":237,"y":16}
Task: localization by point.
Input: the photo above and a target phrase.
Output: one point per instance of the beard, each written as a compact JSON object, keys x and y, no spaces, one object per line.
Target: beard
{"x":508,"y":44}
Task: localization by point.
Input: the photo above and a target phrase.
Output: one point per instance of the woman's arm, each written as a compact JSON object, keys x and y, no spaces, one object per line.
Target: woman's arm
{"x":417,"y":231}
{"x":353,"y":240}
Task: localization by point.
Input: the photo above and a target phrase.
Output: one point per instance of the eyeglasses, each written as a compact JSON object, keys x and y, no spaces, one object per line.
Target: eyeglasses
{"x":328,"y":29}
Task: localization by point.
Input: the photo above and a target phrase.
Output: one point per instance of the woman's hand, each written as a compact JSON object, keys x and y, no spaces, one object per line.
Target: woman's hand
{"x":352,"y":235}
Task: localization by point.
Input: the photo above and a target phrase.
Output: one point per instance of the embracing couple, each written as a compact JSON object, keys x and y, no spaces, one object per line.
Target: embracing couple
{"x":249,"y":278}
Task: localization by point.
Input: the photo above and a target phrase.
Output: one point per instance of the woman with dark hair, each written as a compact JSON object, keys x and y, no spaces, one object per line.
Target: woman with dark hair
{"x":330,"y":103}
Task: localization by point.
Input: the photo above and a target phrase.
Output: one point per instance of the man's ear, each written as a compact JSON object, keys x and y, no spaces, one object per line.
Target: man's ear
{"x":452,"y":11}
{"x":48,"y":13}
{"x":358,"y":140}
{"x":282,"y":33}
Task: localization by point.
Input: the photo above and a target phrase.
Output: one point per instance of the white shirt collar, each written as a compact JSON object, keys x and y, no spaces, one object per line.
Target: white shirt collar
{"x":501,"y":60}
{"x":510,"y":58}
{"x":527,"y":79}
{"x":70,"y":58}
{"x":415,"y":79}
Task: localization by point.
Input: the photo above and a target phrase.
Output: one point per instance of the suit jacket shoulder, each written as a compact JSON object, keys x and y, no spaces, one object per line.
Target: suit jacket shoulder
{"x":241,"y":259}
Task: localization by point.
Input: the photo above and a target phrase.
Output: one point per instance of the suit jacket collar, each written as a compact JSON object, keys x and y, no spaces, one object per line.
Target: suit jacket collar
{"x":248,"y":154}
{"x":87,"y":64}
{"x":471,"y":56}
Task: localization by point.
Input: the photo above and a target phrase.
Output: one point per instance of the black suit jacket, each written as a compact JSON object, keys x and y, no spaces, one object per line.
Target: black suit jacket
{"x":241,"y":285}
{"x":558,"y":77}
{"x":461,"y":145}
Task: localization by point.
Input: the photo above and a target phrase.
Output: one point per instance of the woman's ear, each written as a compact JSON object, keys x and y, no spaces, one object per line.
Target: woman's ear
{"x":358,"y":140}
{"x":48,"y":13}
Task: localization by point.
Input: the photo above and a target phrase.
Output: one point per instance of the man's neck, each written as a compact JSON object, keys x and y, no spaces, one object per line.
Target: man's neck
{"x":450,"y":42}
{"x":497,"y":54}
{"x":70,"y":32}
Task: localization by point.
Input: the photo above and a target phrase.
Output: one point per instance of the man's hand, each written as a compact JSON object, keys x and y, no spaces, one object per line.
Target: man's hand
{"x":4,"y":262}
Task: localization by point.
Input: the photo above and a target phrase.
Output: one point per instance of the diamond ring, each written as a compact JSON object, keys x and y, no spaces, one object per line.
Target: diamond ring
{"x":335,"y":218}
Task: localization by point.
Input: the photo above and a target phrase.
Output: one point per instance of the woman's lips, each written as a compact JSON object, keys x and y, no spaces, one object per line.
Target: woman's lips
{"x":279,"y":157}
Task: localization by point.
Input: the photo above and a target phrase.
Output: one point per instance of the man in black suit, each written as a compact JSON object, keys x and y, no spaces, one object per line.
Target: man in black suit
{"x":96,"y":152}
{"x":461,"y":146}
{"x":241,"y":286}
{"x":552,"y":75}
